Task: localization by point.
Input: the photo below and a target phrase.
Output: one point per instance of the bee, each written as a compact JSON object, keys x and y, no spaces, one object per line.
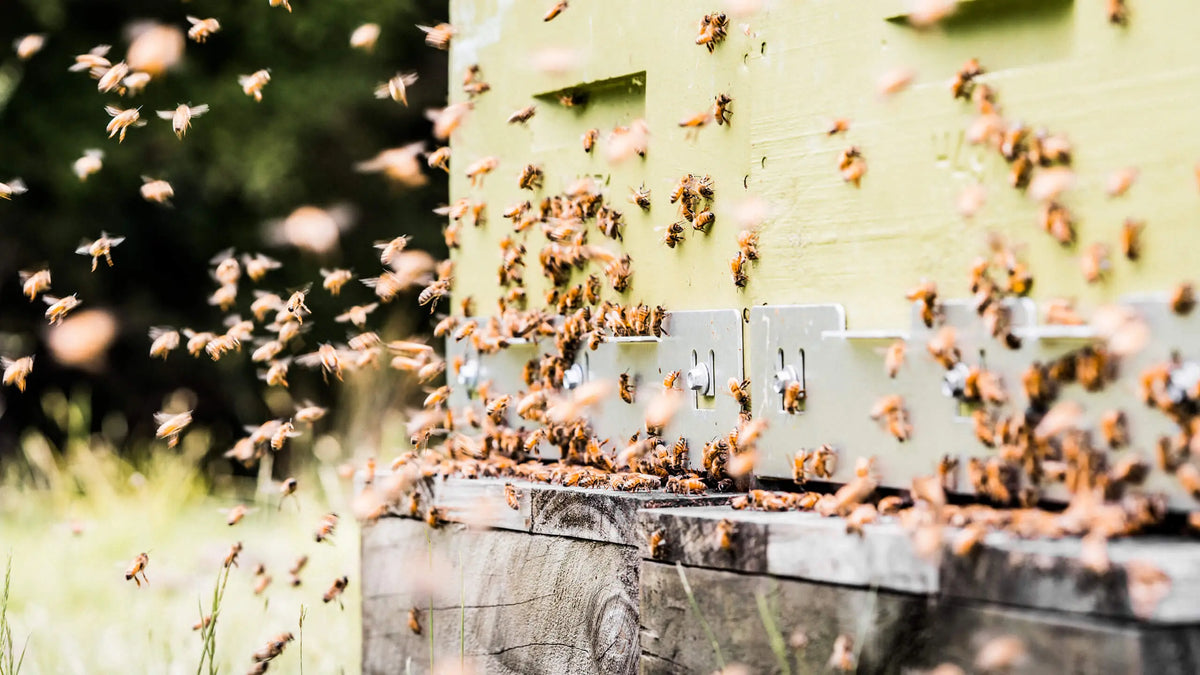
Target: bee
{"x":181,"y":117}
{"x":555,"y":10}
{"x":1095,"y":262}
{"x":748,"y":243}
{"x":530,"y":178}
{"x":893,"y":358}
{"x":325,"y":527}
{"x":843,"y":657}
{"x":523,"y":115}
{"x":138,"y":568}
{"x":1183,"y":298}
{"x":59,"y":307}
{"x":28,"y":45}
{"x":156,"y":190}
{"x":740,"y":391}
{"x":309,"y":413}
{"x":88,"y":164}
{"x":481,"y":167}
{"x":626,"y":388}
{"x":658,"y":544}
{"x":926,"y":296}
{"x":673,"y":234}
{"x":589,"y":139}
{"x":235,"y":515}
{"x":1020,"y":171}
{"x":435,"y":291}
{"x":164,"y":341}
{"x":111,"y":78}
{"x":16,"y":371}
{"x":793,"y":397}
{"x":122,"y":120}
{"x":713,"y":28}
{"x":396,"y":88}
{"x":964,"y":79}
{"x":336,"y":589}
{"x":658,"y":316}
{"x":94,"y":61}
{"x":800,"y":466}
{"x":414,"y":620}
{"x":295,"y":304}
{"x":275,"y":646}
{"x":253,"y":83}
{"x":984,"y":425}
{"x":280,"y":3}
{"x":703,"y":220}
{"x":724,"y":534}
{"x":264,"y":580}
{"x":34,"y":282}
{"x":1131,"y":235}
{"x":438,"y":36}
{"x":838,"y":126}
{"x":696,"y":121}
{"x":852,"y":165}
{"x":14,"y":186}
{"x":439,"y":159}
{"x":134,"y":83}
{"x":1117,"y":12}
{"x":894,"y":81}
{"x":641,"y":197}
{"x":357,"y":314}
{"x":437,"y":397}
{"x":737,"y":265}
{"x":943,"y":347}
{"x":1056,"y":220}
{"x":284,"y":431}
{"x":170,"y":426}
{"x":365,"y":36}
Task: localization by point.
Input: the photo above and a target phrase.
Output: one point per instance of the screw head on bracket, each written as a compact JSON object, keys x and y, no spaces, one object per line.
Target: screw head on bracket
{"x":954,"y":382}
{"x":783,"y":378}
{"x":468,"y":374}
{"x":699,"y":380}
{"x":573,"y":377}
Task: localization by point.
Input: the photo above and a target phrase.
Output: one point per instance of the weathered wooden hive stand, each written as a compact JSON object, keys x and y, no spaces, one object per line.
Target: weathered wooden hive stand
{"x":1069,"y":158}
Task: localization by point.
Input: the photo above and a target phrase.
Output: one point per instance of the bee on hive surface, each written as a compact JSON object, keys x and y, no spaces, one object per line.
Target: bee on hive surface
{"x":1095,"y":263}
{"x":414,"y":620}
{"x":895,"y":81}
{"x":1183,"y":298}
{"x":523,"y":115}
{"x":1117,"y":12}
{"x":641,"y":197}
{"x":852,"y":165}
{"x":626,"y":388}
{"x":438,"y":36}
{"x":893,"y":358}
{"x":713,"y":29}
{"x":839,"y":126}
{"x":589,"y":139}
{"x":964,"y":80}
{"x":1131,"y":238}
{"x":396,"y":88}
{"x":721,"y":110}
{"x":737,"y":268}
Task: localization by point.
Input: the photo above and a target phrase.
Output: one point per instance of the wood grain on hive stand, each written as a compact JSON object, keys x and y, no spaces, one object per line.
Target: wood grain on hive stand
{"x":896,"y":632}
{"x":508,"y":602}
{"x":1037,"y":574}
{"x":602,"y":515}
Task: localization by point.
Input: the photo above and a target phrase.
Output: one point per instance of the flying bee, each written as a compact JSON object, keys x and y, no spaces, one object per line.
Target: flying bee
{"x":101,"y":247}
{"x":926,"y":296}
{"x":201,"y":29}
{"x":1183,"y":298}
{"x":138,"y":568}
{"x":435,"y":291}
{"x":439,"y":159}
{"x":59,"y":307}
{"x":88,"y":164}
{"x":737,"y":265}
{"x":838,"y":126}
{"x":799,"y":466}
{"x":164,"y":341}
{"x":232,"y":556}
{"x":396,"y":88}
{"x":437,"y":397}
{"x":34,"y":282}
{"x":1117,"y":12}
{"x":893,"y":358}
{"x":530,"y":178}
{"x":14,"y":186}
{"x":280,"y":3}
{"x":523,"y":115}
{"x":1056,"y":220}
{"x":261,"y":584}
{"x":852,"y":165}
{"x":95,"y":61}
{"x":325,"y":527}
{"x":170,"y":426}
{"x":295,"y":304}
{"x":234,"y":515}
{"x":357,"y":314}
{"x":181,"y":117}
{"x":721,"y":110}
{"x":253,"y":83}
{"x":336,"y":589}
{"x":157,"y":190}
{"x":556,"y":9}
{"x":16,"y":371}
{"x":111,"y":78}
{"x":438,"y":36}
{"x":122,"y":120}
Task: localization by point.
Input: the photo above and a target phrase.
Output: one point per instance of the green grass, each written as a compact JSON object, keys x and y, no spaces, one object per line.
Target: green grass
{"x":68,"y":591}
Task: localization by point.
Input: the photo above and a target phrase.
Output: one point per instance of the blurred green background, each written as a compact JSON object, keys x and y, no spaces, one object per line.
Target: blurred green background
{"x":240,"y":166}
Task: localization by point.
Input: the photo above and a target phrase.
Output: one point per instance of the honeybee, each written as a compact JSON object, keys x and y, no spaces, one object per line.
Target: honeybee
{"x":703,"y":220}
{"x":721,"y":110}
{"x":336,"y":589}
{"x":555,"y":10}
{"x":893,"y":358}
{"x":894,"y":81}
{"x":641,"y":197}
{"x":122,"y":120}
{"x":696,"y":121}
{"x":438,"y":36}
{"x":170,"y":426}
{"x":439,"y":159}
{"x":156,"y":190}
{"x":713,"y":28}
{"x":357,"y":314}
{"x":926,"y":296}
{"x":673,"y":234}
{"x":985,"y":430}
{"x":101,"y":247}
{"x":800,"y":466}
{"x":16,"y":371}
{"x":138,"y":568}
{"x":838,"y":126}
{"x":254,"y":83}
{"x":164,"y":340}
{"x":1117,"y":12}
{"x":530,"y":178}
{"x":14,"y":186}
{"x":275,"y":646}
{"x":724,"y":534}
{"x":589,"y":139}
{"x":740,"y":391}
{"x":737,"y":266}
{"x":59,"y":307}
{"x":852,"y":165}
{"x":235,"y":515}
{"x":843,"y":657}
{"x":34,"y":282}
{"x":232,"y":556}
{"x":658,"y":544}
{"x":325,"y":527}
{"x":280,"y":3}
{"x":433,"y":292}
{"x":295,"y":304}
{"x":94,"y":61}
{"x":88,"y":164}
{"x":1095,"y":262}
{"x":523,"y":115}
{"x":309,"y":413}
{"x":111,"y":77}
{"x":28,"y":45}
{"x":626,"y":388}
{"x":943,"y":347}
{"x":1183,"y":298}
{"x":1056,"y":220}
{"x":414,"y":620}
{"x":396,"y":88}
{"x":964,"y":79}
{"x":262,"y":582}
{"x":181,"y":117}
{"x":284,"y":431}
{"x":793,"y":397}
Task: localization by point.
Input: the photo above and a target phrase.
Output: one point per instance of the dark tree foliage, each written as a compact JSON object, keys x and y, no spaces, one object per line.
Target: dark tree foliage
{"x":241,"y":165}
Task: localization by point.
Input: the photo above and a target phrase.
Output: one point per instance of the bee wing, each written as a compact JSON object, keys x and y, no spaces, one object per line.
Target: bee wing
{"x":221,"y":257}
{"x":382,"y":91}
{"x":408,"y":78}
{"x":162,"y":417}
{"x":100,"y":50}
{"x":50,"y":299}
{"x":113,"y":241}
{"x":198,"y":110}
{"x":85,"y":248}
{"x":112,"y":110}
{"x":166,"y":115}
{"x":158,"y":331}
{"x":309,"y":360}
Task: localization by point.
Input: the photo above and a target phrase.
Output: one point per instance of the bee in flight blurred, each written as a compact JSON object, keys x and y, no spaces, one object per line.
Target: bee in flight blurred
{"x":88,"y":164}
{"x":16,"y":370}
{"x":202,"y":28}
{"x":122,"y":119}
{"x":157,"y":190}
{"x":59,"y":307}
{"x":138,"y":567}
{"x":181,"y":117}
{"x":253,"y":83}
{"x":34,"y":282}
{"x":101,"y":247}
{"x":397,"y":87}
{"x":170,"y":425}
{"x":14,"y":186}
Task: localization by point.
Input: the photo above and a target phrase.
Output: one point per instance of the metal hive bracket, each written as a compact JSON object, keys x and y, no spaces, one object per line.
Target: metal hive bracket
{"x":615,"y":419}
{"x":706,"y":347}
